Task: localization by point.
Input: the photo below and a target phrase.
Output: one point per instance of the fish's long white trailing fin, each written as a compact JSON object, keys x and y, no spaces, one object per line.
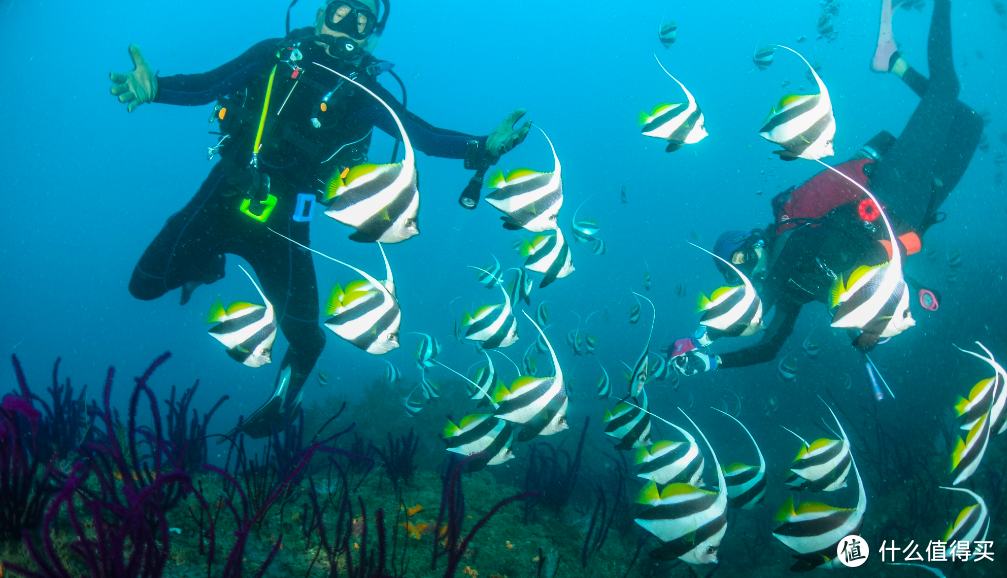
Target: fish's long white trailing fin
{"x":803,"y":441}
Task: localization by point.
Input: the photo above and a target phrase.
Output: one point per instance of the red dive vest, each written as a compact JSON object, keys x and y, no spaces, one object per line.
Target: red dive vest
{"x":820,"y":194}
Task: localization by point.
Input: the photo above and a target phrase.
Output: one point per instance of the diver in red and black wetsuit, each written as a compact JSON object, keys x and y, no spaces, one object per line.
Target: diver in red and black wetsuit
{"x":825,"y":227}
{"x":318,"y":126}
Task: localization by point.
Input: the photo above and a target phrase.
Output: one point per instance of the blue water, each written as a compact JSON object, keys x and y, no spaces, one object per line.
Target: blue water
{"x":86,"y":186}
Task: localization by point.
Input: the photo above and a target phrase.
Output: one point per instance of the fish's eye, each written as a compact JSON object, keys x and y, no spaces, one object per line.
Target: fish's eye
{"x":711,"y":549}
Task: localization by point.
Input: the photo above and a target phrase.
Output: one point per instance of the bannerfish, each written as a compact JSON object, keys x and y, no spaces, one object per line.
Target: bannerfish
{"x":550,"y":255}
{"x":966,"y":528}
{"x":689,"y":522}
{"x":586,"y":229}
{"x":983,"y":415}
{"x":381,"y":202}
{"x":671,"y":462}
{"x":480,"y":433}
{"x":811,"y":347}
{"x":529,"y":400}
{"x":814,"y":530}
{"x":679,"y":124}
{"x":493,"y":325}
{"x":746,"y":485}
{"x":803,"y":125}
{"x":323,"y":378}
{"x":392,"y":373}
{"x":622,"y":197}
{"x":872,"y":299}
{"x":429,"y":389}
{"x":736,"y":311}
{"x":366,"y":313}
{"x":641,"y":369}
{"x":427,"y":350}
{"x":629,"y":423}
{"x":763,"y":57}
{"x":786,"y":369}
{"x":246,"y":330}
{"x":520,"y":287}
{"x":542,"y":314}
{"x":604,"y":383}
{"x":667,"y":33}
{"x":598,"y":246}
{"x":529,"y":200}
{"x":490,"y":276}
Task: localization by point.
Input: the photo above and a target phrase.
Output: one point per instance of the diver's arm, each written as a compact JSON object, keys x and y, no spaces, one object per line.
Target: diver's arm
{"x":772,"y":341}
{"x":425,"y":137}
{"x":197,"y":89}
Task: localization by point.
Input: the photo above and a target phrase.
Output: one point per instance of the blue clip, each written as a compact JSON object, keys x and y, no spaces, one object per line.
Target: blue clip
{"x":304,"y":207}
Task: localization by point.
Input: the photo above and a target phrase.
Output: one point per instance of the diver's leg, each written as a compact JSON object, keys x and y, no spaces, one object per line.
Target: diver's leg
{"x":287,"y":275}
{"x":904,"y":178}
{"x":959,"y":147}
{"x":178,"y":254}
{"x":886,"y":40}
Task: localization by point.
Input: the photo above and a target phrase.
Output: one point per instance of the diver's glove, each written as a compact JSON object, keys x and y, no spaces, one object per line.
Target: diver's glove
{"x":137,"y":87}
{"x":505,"y":137}
{"x":687,"y":356}
{"x":694,"y":362}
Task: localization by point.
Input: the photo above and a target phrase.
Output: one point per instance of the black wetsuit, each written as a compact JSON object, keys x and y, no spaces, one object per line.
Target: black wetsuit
{"x":317,"y":125}
{"x":912,"y":179}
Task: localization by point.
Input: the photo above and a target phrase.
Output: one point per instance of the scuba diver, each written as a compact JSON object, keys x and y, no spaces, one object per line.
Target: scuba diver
{"x":317,"y":127}
{"x":827,"y":226}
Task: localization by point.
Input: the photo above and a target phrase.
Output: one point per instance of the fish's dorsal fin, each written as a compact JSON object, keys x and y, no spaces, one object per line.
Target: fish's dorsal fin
{"x":474,"y":384}
{"x":692,"y":101}
{"x":578,"y":208}
{"x":841,"y":430}
{"x":377,"y":284}
{"x":410,"y":155}
{"x":722,"y":487}
{"x":499,"y":282}
{"x":821,"y":85}
{"x":742,"y":276}
{"x":269,"y":306}
{"x":557,"y":170}
{"x":552,"y":352}
{"x":803,"y":441}
{"x":389,"y":280}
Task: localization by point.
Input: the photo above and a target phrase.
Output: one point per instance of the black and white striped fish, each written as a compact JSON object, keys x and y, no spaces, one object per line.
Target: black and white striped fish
{"x":690,"y":522}
{"x":640,"y":372}
{"x":786,"y":368}
{"x":763,"y":57}
{"x":381,"y":202}
{"x":983,"y":413}
{"x":575,"y":341}
{"x":667,"y":33}
{"x":672,"y":462}
{"x":429,"y":389}
{"x":746,"y":485}
{"x":590,"y":343}
{"x":583,"y":230}
{"x":604,"y":383}
{"x":530,"y":400}
{"x":628,"y":423}
{"x":550,"y":255}
{"x":529,"y":200}
{"x":520,"y":287}
{"x":542,"y":314}
{"x":634,"y":312}
{"x":480,"y":433}
{"x":873,"y":299}
{"x":493,"y":325}
{"x":246,"y":330}
{"x":679,"y":124}
{"x":821,"y":466}
{"x":736,"y":311}
{"x":659,"y":371}
{"x":427,"y":350}
{"x":392,"y":373}
{"x":598,"y":246}
{"x":528,"y":363}
{"x":486,"y":381}
{"x":970,"y":522}
{"x":802,"y":124}
{"x":811,"y":347}
{"x":367,"y":314}
{"x":814,"y":530}
{"x":490,"y":276}
{"x":412,"y":407}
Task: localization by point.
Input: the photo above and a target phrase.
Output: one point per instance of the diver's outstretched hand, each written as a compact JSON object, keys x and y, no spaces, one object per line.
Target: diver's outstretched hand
{"x":505,"y":137}
{"x":137,"y":87}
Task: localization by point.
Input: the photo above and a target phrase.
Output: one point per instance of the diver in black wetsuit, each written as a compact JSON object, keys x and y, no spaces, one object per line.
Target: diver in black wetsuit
{"x":824,"y":227}
{"x":307,"y":126}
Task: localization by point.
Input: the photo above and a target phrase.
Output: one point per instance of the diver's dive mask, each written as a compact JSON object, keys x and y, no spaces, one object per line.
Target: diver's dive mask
{"x":351,"y":18}
{"x":754,"y":265}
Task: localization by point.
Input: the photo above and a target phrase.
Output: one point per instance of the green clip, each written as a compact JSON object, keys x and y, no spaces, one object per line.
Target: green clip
{"x":267,"y":210}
